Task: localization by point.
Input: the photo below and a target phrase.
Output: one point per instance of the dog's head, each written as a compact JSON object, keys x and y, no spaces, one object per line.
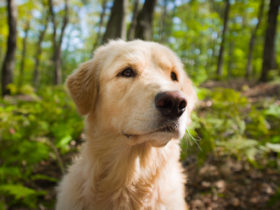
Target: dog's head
{"x":136,"y":89}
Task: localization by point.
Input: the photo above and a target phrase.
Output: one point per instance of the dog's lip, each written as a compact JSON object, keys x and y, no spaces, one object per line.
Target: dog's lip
{"x":168,"y":128}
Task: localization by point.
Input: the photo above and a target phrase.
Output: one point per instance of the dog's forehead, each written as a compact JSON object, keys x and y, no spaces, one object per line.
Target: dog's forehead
{"x":150,"y":52}
{"x":138,"y":54}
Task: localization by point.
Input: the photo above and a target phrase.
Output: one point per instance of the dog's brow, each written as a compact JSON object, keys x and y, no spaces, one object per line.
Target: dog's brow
{"x":166,"y":66}
{"x":132,"y":59}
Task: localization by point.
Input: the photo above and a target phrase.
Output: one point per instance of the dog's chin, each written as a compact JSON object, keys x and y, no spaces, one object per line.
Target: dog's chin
{"x":158,"y":138}
{"x":161,"y":138}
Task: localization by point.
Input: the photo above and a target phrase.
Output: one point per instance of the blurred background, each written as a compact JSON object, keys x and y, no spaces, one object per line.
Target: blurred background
{"x":230,"y":49}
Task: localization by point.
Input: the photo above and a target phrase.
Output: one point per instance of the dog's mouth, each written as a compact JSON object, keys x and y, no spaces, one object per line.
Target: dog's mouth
{"x":170,"y":127}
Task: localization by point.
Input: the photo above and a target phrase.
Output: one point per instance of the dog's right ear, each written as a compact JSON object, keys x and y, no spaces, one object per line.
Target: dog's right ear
{"x":82,"y":86}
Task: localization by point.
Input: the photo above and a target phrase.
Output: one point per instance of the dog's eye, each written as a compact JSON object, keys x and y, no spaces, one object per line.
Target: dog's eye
{"x":127,"y":72}
{"x":173,"y":76}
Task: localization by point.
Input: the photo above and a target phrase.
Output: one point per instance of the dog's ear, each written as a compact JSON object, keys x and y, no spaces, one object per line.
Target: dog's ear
{"x":82,"y":86}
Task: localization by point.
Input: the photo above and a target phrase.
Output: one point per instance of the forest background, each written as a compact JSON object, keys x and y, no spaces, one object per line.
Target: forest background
{"x":230,"y":49}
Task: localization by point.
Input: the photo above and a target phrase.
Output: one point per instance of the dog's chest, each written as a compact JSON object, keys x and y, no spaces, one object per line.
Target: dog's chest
{"x":135,"y":196}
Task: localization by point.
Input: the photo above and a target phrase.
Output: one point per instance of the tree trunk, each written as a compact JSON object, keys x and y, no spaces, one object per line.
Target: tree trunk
{"x":58,"y":72}
{"x":9,"y":60}
{"x":1,"y":53}
{"x":132,"y":27}
{"x":38,"y":53}
{"x":144,"y":26}
{"x":253,"y":41}
{"x":57,"y":43}
{"x":230,"y":58}
{"x":53,"y":35}
{"x":163,"y":26}
{"x":100,"y":25}
{"x":116,"y":27}
{"x":269,"y":44}
{"x":221,"y":52}
{"x":23,"y":55}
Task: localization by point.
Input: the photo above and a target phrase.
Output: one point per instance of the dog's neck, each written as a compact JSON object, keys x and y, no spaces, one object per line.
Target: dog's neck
{"x":117,"y":165}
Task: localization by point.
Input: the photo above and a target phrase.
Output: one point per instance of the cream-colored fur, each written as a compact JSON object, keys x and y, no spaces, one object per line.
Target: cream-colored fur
{"x":126,"y":162}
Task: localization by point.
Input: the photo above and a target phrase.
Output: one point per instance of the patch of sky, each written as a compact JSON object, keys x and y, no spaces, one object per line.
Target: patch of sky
{"x":197,"y":51}
{"x":214,"y":35}
{"x":238,"y":19}
{"x":36,"y":14}
{"x":176,"y":20}
{"x":254,"y":21}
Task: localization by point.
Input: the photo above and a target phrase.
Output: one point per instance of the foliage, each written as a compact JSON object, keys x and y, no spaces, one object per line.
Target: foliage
{"x":229,"y":124}
{"x":31,"y":126}
{"x":184,"y":22}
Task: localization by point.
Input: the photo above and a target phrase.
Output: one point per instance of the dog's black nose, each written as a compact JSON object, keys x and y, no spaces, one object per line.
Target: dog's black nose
{"x":171,"y":104}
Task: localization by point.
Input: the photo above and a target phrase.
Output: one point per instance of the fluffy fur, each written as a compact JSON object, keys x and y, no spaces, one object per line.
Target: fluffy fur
{"x":127,"y":162}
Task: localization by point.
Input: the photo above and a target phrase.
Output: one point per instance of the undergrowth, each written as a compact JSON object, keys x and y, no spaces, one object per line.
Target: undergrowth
{"x":226,"y":123}
{"x":33,"y":128}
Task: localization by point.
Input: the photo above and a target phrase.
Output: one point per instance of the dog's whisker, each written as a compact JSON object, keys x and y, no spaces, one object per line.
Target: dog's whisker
{"x":193,"y":139}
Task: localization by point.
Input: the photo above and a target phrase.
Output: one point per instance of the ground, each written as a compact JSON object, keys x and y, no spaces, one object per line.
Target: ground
{"x":224,"y":183}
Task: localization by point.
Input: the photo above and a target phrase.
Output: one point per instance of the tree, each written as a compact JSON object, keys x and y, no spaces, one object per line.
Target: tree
{"x":23,"y":54}
{"x":162,"y":31}
{"x":166,"y":20}
{"x":269,"y":43}
{"x":9,"y":62}
{"x":221,"y":51}
{"x":116,"y":27}
{"x":39,"y":51}
{"x":100,"y":25}
{"x":57,"y":41}
{"x":230,"y":56}
{"x":144,"y":25}
{"x":253,"y":40}
{"x":132,"y":27}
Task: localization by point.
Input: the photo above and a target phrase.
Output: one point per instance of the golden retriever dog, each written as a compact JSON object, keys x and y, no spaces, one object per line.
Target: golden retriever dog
{"x":136,"y":99}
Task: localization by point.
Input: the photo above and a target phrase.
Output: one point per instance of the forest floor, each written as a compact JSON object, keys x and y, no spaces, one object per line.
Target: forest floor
{"x":224,"y":183}
{"x":221,"y":183}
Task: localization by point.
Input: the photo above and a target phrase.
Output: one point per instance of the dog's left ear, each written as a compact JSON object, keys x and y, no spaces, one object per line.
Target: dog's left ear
{"x":82,"y":86}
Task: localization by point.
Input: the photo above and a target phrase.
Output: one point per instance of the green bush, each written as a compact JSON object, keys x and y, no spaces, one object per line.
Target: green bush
{"x":229,"y":124}
{"x":32,"y":127}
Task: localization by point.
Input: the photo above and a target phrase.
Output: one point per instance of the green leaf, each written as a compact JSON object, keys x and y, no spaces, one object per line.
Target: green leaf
{"x":202,"y":93}
{"x":273,"y":110}
{"x":43,"y":177}
{"x":17,"y":190}
{"x":273,"y":147}
{"x":64,"y":141}
{"x":179,"y":34}
{"x":2,"y":205}
{"x":11,"y":172}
